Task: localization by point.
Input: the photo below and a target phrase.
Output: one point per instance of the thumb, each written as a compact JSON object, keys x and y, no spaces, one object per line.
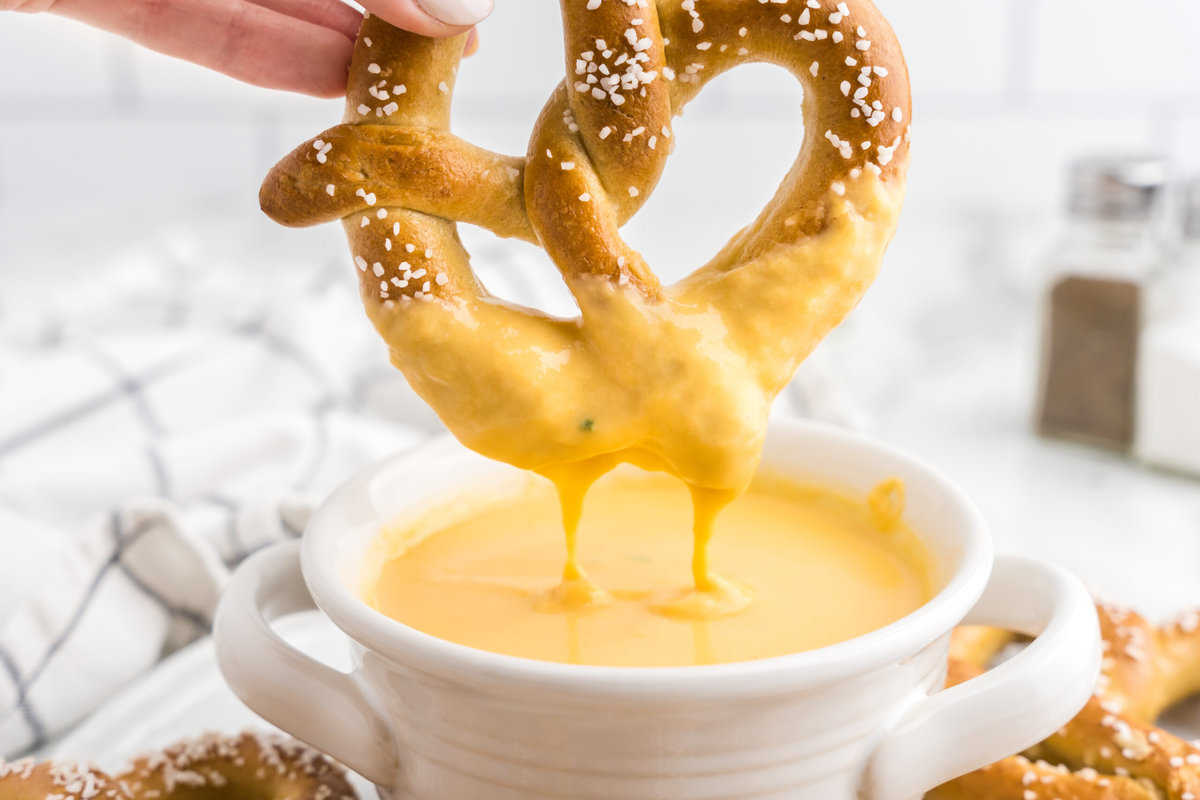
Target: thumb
{"x":431,"y":17}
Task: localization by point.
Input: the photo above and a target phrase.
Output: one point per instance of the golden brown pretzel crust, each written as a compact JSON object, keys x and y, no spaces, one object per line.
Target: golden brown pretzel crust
{"x":250,"y":766}
{"x":29,"y":780}
{"x":394,"y":150}
{"x":971,"y":648}
{"x":1111,"y":749}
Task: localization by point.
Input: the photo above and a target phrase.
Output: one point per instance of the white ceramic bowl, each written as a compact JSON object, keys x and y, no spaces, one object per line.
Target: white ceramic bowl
{"x":426,"y":719}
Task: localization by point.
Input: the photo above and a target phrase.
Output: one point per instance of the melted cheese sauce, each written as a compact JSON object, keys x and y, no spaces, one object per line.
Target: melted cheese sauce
{"x":817,"y":564}
{"x":682,"y":384}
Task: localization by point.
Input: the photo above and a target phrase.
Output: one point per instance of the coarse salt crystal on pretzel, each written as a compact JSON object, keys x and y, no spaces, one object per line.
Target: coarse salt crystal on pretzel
{"x":249,"y":766}
{"x":680,"y":377}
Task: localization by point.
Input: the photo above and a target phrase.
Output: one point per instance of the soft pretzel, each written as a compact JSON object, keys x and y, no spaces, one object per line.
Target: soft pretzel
{"x":250,"y":766}
{"x":1111,"y":749}
{"x":29,"y":780}
{"x":679,"y":377}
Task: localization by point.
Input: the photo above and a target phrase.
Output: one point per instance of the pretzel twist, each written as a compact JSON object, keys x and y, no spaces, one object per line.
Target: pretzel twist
{"x":1111,"y":750}
{"x":399,"y":180}
{"x":250,"y":766}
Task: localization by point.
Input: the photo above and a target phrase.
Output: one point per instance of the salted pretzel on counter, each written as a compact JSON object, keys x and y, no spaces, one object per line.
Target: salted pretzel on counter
{"x":248,"y":766}
{"x":1111,"y":750}
{"x":398,"y":179}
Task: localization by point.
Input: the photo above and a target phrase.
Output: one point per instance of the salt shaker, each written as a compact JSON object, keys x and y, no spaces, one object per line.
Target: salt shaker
{"x":1093,"y":310}
{"x":1168,"y":415}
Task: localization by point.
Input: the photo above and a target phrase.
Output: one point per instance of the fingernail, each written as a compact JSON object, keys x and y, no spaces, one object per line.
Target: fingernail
{"x":457,"y":12}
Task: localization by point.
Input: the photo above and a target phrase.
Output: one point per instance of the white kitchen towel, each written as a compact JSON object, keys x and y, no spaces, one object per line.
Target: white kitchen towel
{"x":162,"y":415}
{"x":169,"y":411}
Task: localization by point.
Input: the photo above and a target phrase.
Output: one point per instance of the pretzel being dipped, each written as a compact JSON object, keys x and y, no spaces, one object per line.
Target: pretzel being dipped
{"x":1111,"y":750}
{"x":250,"y":766}
{"x":678,"y":377}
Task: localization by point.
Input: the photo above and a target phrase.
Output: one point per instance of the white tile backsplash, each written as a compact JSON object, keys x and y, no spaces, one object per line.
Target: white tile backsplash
{"x":1146,"y":48}
{"x":959,"y":48}
{"x":1007,"y":91}
{"x":1011,"y":160}
{"x":49,"y":59}
{"x":520,"y":61}
{"x":71,"y":189}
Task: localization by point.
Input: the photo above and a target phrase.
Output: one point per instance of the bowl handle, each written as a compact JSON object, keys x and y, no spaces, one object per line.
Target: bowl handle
{"x":1009,"y":708}
{"x":311,"y":701}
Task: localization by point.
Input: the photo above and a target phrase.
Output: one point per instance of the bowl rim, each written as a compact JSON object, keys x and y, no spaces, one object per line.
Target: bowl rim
{"x":406,"y":647}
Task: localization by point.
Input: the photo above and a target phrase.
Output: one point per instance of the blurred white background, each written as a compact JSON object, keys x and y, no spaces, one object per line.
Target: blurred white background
{"x":167,"y":350}
{"x":102,"y":139}
{"x":105,"y":144}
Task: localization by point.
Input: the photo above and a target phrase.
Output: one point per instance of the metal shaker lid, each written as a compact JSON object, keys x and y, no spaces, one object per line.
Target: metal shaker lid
{"x":1117,"y":188}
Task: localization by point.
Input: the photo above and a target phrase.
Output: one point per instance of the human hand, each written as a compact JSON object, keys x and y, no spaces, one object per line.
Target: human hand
{"x":297,"y":45}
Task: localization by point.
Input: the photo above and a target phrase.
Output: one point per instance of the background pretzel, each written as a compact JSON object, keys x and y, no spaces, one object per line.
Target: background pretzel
{"x":1111,"y":750}
{"x":250,"y":766}
{"x":729,"y":336}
